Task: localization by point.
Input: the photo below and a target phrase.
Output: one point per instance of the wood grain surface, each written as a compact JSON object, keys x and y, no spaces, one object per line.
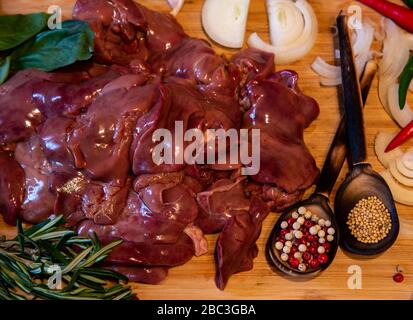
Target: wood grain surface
{"x":195,"y":280}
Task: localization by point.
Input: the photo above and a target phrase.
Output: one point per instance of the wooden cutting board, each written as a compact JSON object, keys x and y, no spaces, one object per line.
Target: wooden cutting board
{"x":195,"y":280}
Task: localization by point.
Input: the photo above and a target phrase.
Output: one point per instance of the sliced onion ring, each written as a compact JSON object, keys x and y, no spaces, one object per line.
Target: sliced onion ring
{"x":395,"y":44}
{"x":398,"y":176}
{"x":381,"y":141}
{"x":176,"y":6}
{"x":324,"y":69}
{"x":403,"y":169}
{"x":225,"y":21}
{"x":409,"y":37}
{"x":400,"y":193}
{"x":301,"y":22}
{"x":402,"y":116}
{"x":282,"y":15}
{"x":408,"y":159}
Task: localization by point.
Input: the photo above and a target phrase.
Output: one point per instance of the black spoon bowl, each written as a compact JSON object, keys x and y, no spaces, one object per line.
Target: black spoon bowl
{"x":318,"y":204}
{"x":362,"y":182}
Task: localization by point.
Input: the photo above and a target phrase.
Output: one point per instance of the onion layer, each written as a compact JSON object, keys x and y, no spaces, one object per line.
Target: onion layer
{"x":396,"y":52}
{"x":408,"y":159}
{"x":330,"y":75}
{"x":225,"y":21}
{"x":398,"y":176}
{"x":293,"y":30}
{"x":176,"y":6}
{"x":402,"y":116}
{"x":382,"y":140}
{"x":400,"y":193}
{"x":403,"y":169}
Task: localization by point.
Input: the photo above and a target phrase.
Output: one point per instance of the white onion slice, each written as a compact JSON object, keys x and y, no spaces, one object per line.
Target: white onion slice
{"x":395,"y":44}
{"x":400,"y":178}
{"x":408,"y":159}
{"x":381,"y":142}
{"x":330,"y":82}
{"x":403,"y":169}
{"x":324,"y":69}
{"x":402,"y":116}
{"x":225,"y":21}
{"x":293,"y":30}
{"x":400,"y":193}
{"x":330,"y":75}
{"x":361,"y":41}
{"x":409,"y":37}
{"x":176,"y":6}
{"x":288,"y":22}
{"x":384,"y":84}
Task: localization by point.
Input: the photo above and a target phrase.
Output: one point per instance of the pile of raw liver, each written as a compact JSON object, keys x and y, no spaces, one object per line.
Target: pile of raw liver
{"x":78,"y":142}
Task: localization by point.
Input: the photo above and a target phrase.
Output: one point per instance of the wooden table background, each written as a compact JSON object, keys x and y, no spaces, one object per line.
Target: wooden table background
{"x":195,"y":280}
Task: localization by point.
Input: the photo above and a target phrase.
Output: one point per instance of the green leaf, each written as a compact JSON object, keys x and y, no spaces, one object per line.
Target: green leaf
{"x":53,"y":49}
{"x":48,"y":294}
{"x":43,"y":226}
{"x":53,"y":235}
{"x":4,"y":69}
{"x":123,"y":296}
{"x":105,"y":250}
{"x":56,"y":255}
{"x":5,"y":295}
{"x":77,"y":291}
{"x":115,"y":291}
{"x":409,"y":3}
{"x":62,"y":241}
{"x":91,"y":284}
{"x":75,"y":262}
{"x":16,"y":29}
{"x":72,"y":281}
{"x":105,"y":273}
{"x":93,"y":279}
{"x":17,"y":296}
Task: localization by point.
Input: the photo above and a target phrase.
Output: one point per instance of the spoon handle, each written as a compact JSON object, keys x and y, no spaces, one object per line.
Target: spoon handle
{"x":338,"y":149}
{"x":352,"y":100}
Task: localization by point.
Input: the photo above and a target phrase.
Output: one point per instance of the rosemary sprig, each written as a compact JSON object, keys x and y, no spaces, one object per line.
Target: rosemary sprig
{"x":29,"y":260}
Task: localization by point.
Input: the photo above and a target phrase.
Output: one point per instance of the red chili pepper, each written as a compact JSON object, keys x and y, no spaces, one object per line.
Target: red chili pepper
{"x":405,"y":134}
{"x":401,"y":15}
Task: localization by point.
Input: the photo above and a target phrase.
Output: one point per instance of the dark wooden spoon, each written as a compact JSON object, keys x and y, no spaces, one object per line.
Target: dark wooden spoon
{"x":318,"y":203}
{"x":361,"y":181}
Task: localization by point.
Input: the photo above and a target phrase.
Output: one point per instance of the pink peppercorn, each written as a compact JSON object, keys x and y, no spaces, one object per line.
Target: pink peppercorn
{"x":327,"y":247}
{"x":314,"y":263}
{"x":291,"y":221}
{"x":311,"y":238}
{"x":283,"y":232}
{"x":322,"y":258}
{"x":306,"y":256}
{"x":398,"y":277}
{"x":293,"y":262}
{"x":308,"y":224}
